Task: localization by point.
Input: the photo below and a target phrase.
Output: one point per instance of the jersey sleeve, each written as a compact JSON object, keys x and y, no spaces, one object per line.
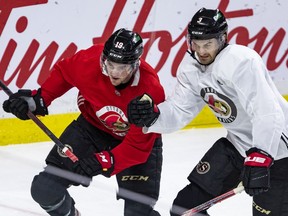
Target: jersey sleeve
{"x":65,"y":74}
{"x":56,"y":84}
{"x":180,"y":107}
{"x":257,"y":98}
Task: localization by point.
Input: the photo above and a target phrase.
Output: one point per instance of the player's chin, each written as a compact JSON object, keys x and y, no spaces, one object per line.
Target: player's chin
{"x":205,"y":60}
{"x":115,"y":81}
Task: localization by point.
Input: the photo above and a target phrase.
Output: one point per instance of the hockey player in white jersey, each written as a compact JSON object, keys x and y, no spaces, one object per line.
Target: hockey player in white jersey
{"x":234,"y":82}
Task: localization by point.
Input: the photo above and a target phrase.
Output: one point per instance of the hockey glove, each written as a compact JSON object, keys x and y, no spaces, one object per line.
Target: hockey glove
{"x":256,"y":172}
{"x":20,"y":102}
{"x":142,"y":111}
{"x":99,"y":163}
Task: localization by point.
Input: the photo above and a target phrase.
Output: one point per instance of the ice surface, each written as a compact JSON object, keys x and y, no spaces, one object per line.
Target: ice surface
{"x":182,"y":151}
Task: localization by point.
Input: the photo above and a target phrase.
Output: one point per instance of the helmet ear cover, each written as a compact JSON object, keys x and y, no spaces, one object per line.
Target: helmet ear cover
{"x":207,"y":24}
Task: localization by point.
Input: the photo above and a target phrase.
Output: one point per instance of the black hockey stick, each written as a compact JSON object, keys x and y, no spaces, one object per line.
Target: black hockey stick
{"x":213,"y":201}
{"x":63,"y":148}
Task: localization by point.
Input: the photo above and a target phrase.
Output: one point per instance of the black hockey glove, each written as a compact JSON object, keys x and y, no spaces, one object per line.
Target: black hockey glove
{"x":99,"y":163}
{"x":20,"y":102}
{"x":142,"y":111}
{"x":256,"y":172}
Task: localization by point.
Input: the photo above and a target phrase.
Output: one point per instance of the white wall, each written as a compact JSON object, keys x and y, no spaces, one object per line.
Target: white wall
{"x":28,"y":28}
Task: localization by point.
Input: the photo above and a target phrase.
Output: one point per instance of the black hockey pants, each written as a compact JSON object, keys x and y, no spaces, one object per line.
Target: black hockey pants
{"x":51,"y":193}
{"x":219,"y":171}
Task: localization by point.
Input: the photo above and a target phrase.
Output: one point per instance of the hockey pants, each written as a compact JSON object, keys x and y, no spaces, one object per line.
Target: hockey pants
{"x":219,"y":171}
{"x":51,"y":193}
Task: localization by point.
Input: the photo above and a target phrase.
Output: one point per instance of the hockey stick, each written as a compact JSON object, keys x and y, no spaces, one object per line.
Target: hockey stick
{"x":63,"y":148}
{"x":213,"y":201}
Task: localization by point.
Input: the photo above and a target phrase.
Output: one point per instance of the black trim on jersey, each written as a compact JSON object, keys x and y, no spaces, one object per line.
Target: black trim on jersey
{"x":285,"y":139}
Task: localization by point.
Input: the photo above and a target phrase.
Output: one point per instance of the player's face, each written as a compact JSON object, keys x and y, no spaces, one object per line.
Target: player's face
{"x":118,"y":73}
{"x":206,"y":50}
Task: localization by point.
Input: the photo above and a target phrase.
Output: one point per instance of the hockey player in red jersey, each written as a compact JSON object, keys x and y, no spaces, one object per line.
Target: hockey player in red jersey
{"x":234,"y":82}
{"x":107,"y":77}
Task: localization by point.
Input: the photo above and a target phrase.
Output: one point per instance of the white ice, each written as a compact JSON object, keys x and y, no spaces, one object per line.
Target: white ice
{"x":182,"y":151}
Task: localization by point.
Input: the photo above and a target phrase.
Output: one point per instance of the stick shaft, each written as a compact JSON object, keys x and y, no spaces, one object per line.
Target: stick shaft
{"x":213,"y":201}
{"x":40,"y":124}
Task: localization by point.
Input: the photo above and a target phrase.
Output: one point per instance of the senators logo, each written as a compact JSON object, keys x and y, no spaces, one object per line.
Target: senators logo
{"x":223,"y":108}
{"x":114,"y":119}
{"x":203,"y":167}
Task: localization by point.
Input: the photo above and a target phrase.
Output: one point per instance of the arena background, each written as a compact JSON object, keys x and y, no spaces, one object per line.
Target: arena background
{"x":35,"y":34}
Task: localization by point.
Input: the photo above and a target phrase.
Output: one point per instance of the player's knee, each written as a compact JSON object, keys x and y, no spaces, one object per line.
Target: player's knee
{"x":177,"y":208}
{"x":133,"y":208}
{"x":38,"y":189}
{"x":51,"y":195}
{"x":154,"y":213}
{"x":45,"y":190}
{"x":189,"y":197}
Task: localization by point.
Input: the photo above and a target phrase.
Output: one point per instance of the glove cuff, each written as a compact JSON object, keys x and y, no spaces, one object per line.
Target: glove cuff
{"x":41,"y":108}
{"x":106,"y":160}
{"x":155,"y":110}
{"x":257,"y":157}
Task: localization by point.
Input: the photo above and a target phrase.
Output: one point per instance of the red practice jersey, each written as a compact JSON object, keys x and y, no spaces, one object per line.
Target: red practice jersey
{"x":103,"y":105}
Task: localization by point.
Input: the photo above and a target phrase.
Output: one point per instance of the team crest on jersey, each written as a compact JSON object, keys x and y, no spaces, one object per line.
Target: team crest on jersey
{"x":203,"y":167}
{"x":223,"y":108}
{"x":114,"y":119}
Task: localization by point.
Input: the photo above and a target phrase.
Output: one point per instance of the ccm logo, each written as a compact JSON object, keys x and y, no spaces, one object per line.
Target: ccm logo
{"x":255,"y":159}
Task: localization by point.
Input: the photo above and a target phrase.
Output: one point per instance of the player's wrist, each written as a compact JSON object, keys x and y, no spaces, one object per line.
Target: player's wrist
{"x":257,"y":157}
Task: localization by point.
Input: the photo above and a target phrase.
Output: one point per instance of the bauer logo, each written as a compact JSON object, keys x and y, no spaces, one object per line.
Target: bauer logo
{"x":203,"y":167}
{"x":255,"y":159}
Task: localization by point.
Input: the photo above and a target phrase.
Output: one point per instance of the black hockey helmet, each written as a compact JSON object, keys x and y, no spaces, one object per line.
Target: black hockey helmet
{"x":124,"y":47}
{"x":207,"y":24}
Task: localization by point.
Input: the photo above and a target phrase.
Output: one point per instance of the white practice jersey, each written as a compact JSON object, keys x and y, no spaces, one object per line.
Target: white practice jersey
{"x":240,"y":93}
